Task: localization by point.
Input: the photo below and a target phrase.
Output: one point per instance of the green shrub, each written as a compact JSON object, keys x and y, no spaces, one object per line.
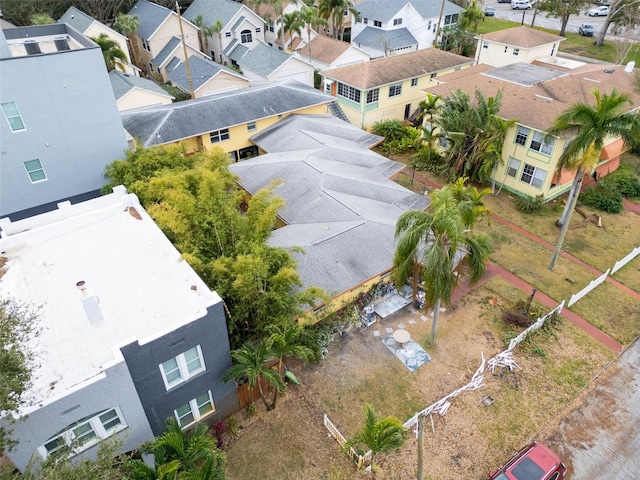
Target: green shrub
{"x":530,"y":204}
{"x":625,"y":182}
{"x":604,"y":197}
{"x":389,"y":129}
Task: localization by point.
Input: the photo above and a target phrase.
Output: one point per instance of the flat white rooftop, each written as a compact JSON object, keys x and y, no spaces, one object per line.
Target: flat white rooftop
{"x":143,"y":287}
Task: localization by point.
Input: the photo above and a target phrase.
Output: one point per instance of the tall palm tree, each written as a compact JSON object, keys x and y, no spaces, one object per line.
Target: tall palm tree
{"x":471,"y":16}
{"x":379,"y":435}
{"x":285,"y":340}
{"x":292,"y":24}
{"x":204,"y":33}
{"x":441,"y":240}
{"x":334,"y":10}
{"x":588,"y":128}
{"x":114,"y":56}
{"x":250,"y":364}
{"x":311,"y":18}
{"x":128,"y":26}
{"x":217,"y":29}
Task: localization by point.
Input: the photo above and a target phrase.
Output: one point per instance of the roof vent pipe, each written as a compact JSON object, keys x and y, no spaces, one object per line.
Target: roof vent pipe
{"x":90,"y":303}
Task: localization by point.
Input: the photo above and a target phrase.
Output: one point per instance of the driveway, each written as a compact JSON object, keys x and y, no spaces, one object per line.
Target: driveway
{"x":599,"y":438}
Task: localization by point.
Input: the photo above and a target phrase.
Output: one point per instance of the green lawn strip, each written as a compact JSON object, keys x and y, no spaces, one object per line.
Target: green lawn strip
{"x":630,"y":274}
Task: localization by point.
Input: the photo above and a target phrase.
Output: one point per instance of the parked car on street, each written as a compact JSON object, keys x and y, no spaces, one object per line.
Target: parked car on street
{"x":489,"y":12}
{"x":533,"y":462}
{"x":602,"y":11}
{"x":586,"y":29}
{"x":520,"y":5}
{"x":504,"y":1}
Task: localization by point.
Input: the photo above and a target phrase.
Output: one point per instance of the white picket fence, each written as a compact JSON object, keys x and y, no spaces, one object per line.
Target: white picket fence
{"x":621,"y":263}
{"x":535,"y":326}
{"x":359,"y":460}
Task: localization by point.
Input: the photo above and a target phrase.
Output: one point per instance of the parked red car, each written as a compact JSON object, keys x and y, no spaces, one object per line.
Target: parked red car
{"x":533,"y":462}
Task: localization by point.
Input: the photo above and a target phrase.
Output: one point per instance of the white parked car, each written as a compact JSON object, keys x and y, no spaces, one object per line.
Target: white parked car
{"x":602,"y":11}
{"x":520,"y":5}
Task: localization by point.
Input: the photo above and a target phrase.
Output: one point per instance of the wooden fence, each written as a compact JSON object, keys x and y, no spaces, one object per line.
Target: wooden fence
{"x":247,"y":395}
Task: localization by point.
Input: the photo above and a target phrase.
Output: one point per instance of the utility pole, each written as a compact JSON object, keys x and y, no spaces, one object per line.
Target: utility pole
{"x":184,"y":49}
{"x":420,"y":447}
{"x":435,"y":40}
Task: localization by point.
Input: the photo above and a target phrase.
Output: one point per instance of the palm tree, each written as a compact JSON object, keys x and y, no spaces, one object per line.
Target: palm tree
{"x":471,"y":16}
{"x":334,"y":10}
{"x":292,"y":24}
{"x":589,"y":127}
{"x":285,"y":340}
{"x":429,"y":107}
{"x":441,"y":240}
{"x":250,"y":364}
{"x":128,"y":26}
{"x":311,"y":18}
{"x":379,"y":435}
{"x":113,"y":55}
{"x":204,"y":33}
{"x":217,"y":29}
{"x":163,"y":469}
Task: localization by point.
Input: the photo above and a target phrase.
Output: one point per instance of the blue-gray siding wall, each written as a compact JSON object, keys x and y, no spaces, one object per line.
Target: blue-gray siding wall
{"x":72,"y":126}
{"x":210,"y":332}
{"x":116,"y":389}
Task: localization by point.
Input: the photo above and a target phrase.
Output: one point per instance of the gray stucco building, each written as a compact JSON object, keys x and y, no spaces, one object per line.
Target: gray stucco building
{"x":61,"y":126}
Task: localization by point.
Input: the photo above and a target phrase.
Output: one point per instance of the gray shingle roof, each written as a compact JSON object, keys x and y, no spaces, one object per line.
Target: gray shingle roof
{"x":175,"y":61}
{"x":263,"y":60}
{"x":122,"y":83}
{"x":302,"y":132}
{"x":202,"y":70}
{"x":340,"y":207}
{"x":166,"y":51}
{"x":77,"y":19}
{"x":150,"y":17}
{"x":385,"y":10}
{"x":373,"y":37}
{"x":211,"y":10}
{"x":238,"y":22}
{"x":170,"y":123}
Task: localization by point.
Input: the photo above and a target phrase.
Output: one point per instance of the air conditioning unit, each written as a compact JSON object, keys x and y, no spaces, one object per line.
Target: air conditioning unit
{"x":32,"y":47}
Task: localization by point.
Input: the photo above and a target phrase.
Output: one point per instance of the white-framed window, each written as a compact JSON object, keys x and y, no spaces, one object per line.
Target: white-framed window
{"x":516,"y":51}
{"x":12,"y":114}
{"x":373,"y":95}
{"x":146,"y":45}
{"x":505,"y":49}
{"x":246,"y":36}
{"x":485,"y":44}
{"x":522,"y":134}
{"x":397,"y":21}
{"x":219,"y":135}
{"x":251,"y":126}
{"x":227,"y":34}
{"x":429,"y":25}
{"x":513,"y":166}
{"x":539,"y":144}
{"x":395,"y":90}
{"x":348,"y":92}
{"x":258,"y":29}
{"x":181,"y":368}
{"x":35,"y":170}
{"x":365,"y":20}
{"x":533,"y":176}
{"x":377,"y":23}
{"x":414,"y":82}
{"x":85,"y":433}
{"x":195,"y":410}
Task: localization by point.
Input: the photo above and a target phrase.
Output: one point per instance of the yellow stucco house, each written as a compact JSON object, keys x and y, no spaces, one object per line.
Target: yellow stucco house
{"x":389,"y":88}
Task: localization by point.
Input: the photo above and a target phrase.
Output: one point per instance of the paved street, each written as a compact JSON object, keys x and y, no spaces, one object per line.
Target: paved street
{"x":599,"y":437}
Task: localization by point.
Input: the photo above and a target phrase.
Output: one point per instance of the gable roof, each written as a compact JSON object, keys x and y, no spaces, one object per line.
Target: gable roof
{"x":385,"y":10}
{"x":170,"y":123}
{"x":202,"y":70}
{"x":150,"y":17}
{"x":383,"y":71}
{"x":325,"y":49}
{"x":166,"y":51}
{"x":263,"y":60}
{"x":536,"y":103}
{"x":375,"y":38}
{"x":122,"y":83}
{"x":302,"y":132}
{"x":340,"y":207}
{"x":522,"y":36}
{"x":212,"y":10}
{"x":77,"y":19}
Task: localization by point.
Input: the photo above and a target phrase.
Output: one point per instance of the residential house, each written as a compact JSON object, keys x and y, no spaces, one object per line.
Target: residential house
{"x":135,"y":92}
{"x":207,"y":77}
{"x":340,"y":206}
{"x":392,"y":27}
{"x":240,"y":25}
{"x":388,"y":88}
{"x":61,"y":126}
{"x":273,"y":25}
{"x":264,"y":64}
{"x":325,"y":53}
{"x":534,"y":95}
{"x":130,"y":335}
{"x":516,"y":45}
{"x":92,"y":28}
{"x":158,"y":26}
{"x":224,"y":120}
{"x":171,"y":55}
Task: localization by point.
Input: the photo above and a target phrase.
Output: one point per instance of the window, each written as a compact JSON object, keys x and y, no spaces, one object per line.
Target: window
{"x":485,"y":44}
{"x":454,"y":18}
{"x":245,"y":36}
{"x":145,"y":45}
{"x":270,"y":26}
{"x":432,"y":76}
{"x":181,"y":368}
{"x":539,"y":144}
{"x":533,"y":176}
{"x":251,"y":126}
{"x":373,"y":95}
{"x":397,"y":21}
{"x":505,"y":49}
{"x":521,"y":135}
{"x":443,"y":142}
{"x":513,"y":167}
{"x":195,"y":410}
{"x":227,"y":34}
{"x":365,"y":20}
{"x":219,"y":135}
{"x":395,"y":90}
{"x":348,"y":92}
{"x":414,"y":82}
{"x":516,"y":51}
{"x":429,"y":25}
{"x":258,"y":29}
{"x":85,"y":432}
{"x":35,"y":171}
{"x":377,"y":23}
{"x":150,"y":66}
{"x":12,"y":114}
